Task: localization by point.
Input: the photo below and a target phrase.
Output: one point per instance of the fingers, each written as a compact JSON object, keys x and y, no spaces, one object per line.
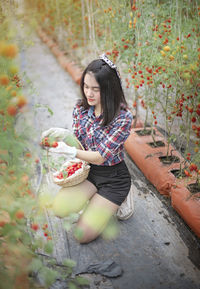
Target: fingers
{"x":61,"y":148}
{"x":65,"y":149}
{"x":51,"y":132}
{"x":46,"y":133}
{"x":56,"y":132}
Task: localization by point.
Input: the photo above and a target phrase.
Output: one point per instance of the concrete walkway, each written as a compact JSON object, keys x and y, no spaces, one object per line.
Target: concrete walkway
{"x":155,"y":248}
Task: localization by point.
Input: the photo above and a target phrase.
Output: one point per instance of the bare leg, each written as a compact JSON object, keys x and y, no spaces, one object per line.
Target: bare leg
{"x":72,"y":199}
{"x":94,"y":219}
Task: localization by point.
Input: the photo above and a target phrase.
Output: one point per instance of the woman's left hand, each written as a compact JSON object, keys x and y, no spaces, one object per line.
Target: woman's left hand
{"x":62,"y":148}
{"x":57,"y":133}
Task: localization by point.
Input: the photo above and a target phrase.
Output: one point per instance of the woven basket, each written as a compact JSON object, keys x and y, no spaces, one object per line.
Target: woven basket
{"x":79,"y":176}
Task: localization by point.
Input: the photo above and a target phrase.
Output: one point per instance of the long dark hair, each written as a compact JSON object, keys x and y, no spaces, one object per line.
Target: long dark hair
{"x":112,"y":95}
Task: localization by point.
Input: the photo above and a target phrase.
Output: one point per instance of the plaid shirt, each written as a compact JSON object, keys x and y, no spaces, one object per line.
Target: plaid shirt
{"x":108,"y":140}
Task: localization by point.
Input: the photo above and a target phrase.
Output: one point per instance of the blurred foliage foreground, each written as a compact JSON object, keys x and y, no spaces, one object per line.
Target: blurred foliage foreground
{"x":20,"y":216}
{"x":25,"y":237}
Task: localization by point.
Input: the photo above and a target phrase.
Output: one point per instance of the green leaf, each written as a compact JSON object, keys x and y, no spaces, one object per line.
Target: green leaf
{"x":74,"y":217}
{"x":50,"y":111}
{"x":36,"y":264}
{"x":67,"y":226}
{"x":48,"y":275}
{"x":81,"y":280}
{"x":38,"y":105}
{"x":111,"y":231}
{"x":69,"y":263}
{"x":71,"y":140}
{"x":72,"y":285}
{"x":48,"y":247}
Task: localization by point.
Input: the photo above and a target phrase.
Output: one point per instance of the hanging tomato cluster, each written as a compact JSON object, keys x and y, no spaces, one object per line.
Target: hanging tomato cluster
{"x":48,"y":142}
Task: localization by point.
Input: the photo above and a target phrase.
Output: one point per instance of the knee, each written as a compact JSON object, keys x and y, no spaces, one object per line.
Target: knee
{"x":67,"y":202}
{"x":60,"y":207}
{"x":84,"y":234}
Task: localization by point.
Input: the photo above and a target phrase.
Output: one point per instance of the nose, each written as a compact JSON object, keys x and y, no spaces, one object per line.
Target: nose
{"x":89,"y":92}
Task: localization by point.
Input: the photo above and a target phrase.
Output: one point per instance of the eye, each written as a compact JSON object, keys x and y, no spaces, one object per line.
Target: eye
{"x":96,"y":89}
{"x":85,"y":86}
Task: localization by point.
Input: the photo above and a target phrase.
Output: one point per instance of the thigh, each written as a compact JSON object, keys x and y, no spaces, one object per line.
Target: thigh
{"x":72,"y":199}
{"x":113,"y":183}
{"x":94,"y":218}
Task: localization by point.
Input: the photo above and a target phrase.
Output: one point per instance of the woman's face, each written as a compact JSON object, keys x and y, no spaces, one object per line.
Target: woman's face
{"x":92,"y":90}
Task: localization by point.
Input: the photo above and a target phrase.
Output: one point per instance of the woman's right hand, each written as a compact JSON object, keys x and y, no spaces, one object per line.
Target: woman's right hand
{"x":62,"y":148}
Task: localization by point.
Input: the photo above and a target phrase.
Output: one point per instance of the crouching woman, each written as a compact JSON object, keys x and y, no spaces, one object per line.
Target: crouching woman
{"x":102,"y":123}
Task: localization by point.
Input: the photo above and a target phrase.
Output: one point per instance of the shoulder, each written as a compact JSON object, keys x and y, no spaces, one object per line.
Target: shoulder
{"x":122,"y":121}
{"x":79,"y":109}
{"x":125,"y":114}
{"x":79,"y":104}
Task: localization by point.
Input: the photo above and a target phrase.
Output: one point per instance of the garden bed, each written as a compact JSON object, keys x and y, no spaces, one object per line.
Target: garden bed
{"x":163,"y":171}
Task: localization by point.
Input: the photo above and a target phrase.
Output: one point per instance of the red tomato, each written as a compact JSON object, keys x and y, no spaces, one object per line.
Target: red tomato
{"x":54,"y":144}
{"x":60,"y":175}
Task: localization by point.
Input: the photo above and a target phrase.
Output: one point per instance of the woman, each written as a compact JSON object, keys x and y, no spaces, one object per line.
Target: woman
{"x":101,"y":122}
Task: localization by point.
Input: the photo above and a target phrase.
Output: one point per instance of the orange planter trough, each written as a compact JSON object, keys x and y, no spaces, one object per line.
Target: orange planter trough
{"x":66,"y":64}
{"x":73,"y":70}
{"x":187,"y":206}
{"x":148,"y":160}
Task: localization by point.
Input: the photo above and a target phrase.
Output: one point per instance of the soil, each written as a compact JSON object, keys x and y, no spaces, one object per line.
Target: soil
{"x":178,"y":173}
{"x":167,"y":160}
{"x":156,"y":144}
{"x":144,"y":132}
{"x":194,"y":188}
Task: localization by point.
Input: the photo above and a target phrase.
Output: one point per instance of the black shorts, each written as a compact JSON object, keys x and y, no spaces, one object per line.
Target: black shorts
{"x":112,"y":182}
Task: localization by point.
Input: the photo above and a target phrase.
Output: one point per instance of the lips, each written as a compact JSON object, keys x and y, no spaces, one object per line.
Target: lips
{"x":90,"y":99}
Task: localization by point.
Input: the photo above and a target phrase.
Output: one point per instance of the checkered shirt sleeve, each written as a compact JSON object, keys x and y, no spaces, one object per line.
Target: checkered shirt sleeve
{"x":76,"y":121}
{"x":113,"y":140}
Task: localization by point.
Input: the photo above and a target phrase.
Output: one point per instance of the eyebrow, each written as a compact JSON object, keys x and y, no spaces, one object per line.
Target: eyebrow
{"x":92,"y":86}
